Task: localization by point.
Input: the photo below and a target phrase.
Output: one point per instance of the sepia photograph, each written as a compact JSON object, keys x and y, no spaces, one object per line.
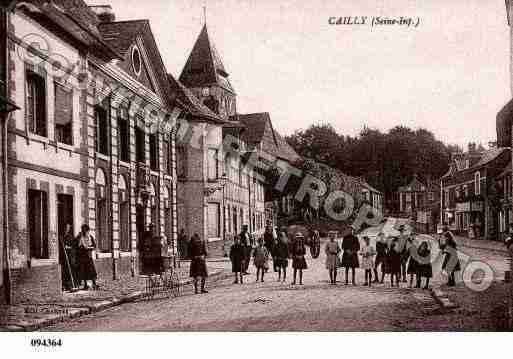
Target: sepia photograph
{"x":243,"y":166}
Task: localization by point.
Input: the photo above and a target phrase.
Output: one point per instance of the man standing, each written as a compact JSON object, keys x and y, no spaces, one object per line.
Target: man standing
{"x":198,"y":252}
{"x":350,"y":246}
{"x":403,"y":249}
{"x":246,"y":244}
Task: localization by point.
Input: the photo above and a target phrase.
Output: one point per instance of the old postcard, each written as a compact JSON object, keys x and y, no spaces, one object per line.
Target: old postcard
{"x":255,"y":166}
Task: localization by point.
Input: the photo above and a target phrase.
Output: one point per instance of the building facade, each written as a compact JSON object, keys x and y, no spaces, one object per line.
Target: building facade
{"x":81,"y":150}
{"x":470,"y":199}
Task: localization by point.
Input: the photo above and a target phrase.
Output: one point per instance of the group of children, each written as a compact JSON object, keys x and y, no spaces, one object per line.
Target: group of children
{"x":397,"y":256}
{"x":279,"y":249}
{"x":394,"y":256}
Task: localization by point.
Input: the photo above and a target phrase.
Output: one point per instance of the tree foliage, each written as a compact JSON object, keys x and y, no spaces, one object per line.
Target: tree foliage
{"x":386,"y":160}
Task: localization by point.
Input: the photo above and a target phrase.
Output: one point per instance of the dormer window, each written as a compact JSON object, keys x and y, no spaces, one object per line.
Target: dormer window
{"x":136,"y":61}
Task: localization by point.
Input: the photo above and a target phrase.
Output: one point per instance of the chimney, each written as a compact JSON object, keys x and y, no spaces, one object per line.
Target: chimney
{"x":492,"y":144}
{"x":104,"y":13}
{"x":471,"y":147}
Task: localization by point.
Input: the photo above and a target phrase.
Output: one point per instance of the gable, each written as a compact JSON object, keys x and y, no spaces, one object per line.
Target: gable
{"x":130,"y":67}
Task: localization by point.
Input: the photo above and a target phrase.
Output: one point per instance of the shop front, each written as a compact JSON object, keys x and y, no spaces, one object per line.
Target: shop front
{"x":469,"y":218}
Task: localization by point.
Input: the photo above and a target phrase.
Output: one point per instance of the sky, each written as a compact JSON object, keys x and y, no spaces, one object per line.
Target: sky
{"x":449,"y":75}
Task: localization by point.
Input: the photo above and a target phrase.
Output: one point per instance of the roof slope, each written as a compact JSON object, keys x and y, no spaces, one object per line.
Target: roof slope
{"x":191,"y":102}
{"x":204,"y":66}
{"x":489,"y":156}
{"x":259,"y":130}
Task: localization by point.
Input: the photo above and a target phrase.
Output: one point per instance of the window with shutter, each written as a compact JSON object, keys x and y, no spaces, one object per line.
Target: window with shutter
{"x":63,"y":114}
{"x":36,"y":104}
{"x":38,"y":224}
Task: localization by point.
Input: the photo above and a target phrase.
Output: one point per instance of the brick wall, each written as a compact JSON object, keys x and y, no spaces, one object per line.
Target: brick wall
{"x":35,"y":283}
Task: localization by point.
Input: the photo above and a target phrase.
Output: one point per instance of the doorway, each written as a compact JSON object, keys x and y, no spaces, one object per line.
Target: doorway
{"x":65,"y":220}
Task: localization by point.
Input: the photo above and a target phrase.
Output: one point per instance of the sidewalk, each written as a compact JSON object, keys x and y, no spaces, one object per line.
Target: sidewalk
{"x":481,"y":244}
{"x":33,"y":315}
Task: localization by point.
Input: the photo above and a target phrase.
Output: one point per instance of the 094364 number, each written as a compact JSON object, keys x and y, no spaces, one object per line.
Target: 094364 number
{"x":46,"y":342}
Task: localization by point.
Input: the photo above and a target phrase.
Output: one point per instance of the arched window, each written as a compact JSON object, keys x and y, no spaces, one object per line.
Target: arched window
{"x":102,"y":212}
{"x":124,"y":214}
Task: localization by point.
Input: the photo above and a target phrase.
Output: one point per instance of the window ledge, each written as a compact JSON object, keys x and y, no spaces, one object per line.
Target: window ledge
{"x":35,"y":262}
{"x":102,"y":156}
{"x":125,"y":254}
{"x":215,"y":239}
{"x":102,"y":255}
{"x":65,"y":146}
{"x":39,"y":138}
{"x":124,"y":164}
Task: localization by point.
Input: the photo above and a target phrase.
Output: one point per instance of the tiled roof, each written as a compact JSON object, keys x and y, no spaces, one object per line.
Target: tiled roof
{"x":489,"y":156}
{"x":204,"y":66}
{"x":191,"y":102}
{"x":259,"y":130}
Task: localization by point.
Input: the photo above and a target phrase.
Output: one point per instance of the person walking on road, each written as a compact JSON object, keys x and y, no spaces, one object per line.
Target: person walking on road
{"x":381,"y":257}
{"x":298,"y":257}
{"x":367,"y":252}
{"x":260,"y":259}
{"x":332,"y":251}
{"x":237,"y":259}
{"x":198,"y":253}
{"x":350,"y":246}
{"x":282,"y":256}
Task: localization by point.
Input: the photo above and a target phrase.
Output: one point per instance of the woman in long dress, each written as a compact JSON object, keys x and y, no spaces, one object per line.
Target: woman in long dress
{"x":332,"y":250}
{"x":86,"y":269}
{"x":350,"y":246}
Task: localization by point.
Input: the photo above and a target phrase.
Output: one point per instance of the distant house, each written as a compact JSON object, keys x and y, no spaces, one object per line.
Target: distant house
{"x":419,"y":200}
{"x":471,"y":201}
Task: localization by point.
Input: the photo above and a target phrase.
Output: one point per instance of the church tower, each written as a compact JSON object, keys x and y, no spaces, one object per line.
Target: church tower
{"x":204,"y":74}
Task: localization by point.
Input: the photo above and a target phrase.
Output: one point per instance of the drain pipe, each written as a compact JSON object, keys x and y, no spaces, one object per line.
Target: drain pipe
{"x":5,"y":205}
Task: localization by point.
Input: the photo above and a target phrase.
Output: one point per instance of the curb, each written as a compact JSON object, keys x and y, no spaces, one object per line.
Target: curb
{"x":76,"y":312}
{"x":443,"y":299}
{"x":502,"y":251}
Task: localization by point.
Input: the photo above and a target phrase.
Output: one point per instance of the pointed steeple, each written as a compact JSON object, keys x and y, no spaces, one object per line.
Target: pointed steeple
{"x":204,"y":66}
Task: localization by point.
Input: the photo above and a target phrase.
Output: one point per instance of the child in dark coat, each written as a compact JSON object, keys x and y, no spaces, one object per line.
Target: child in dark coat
{"x":237,"y":258}
{"x":394,"y":262}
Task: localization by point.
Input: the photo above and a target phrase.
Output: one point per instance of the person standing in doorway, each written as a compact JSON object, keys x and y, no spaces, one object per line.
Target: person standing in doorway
{"x":86,"y":246}
{"x":350,"y":246}
{"x":332,"y":251}
{"x":198,"y":270}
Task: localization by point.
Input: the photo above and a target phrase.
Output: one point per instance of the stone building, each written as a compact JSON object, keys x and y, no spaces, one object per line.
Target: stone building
{"x":81,"y":149}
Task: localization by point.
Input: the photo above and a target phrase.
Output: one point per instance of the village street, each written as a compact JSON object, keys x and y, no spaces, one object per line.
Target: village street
{"x":272,"y":306}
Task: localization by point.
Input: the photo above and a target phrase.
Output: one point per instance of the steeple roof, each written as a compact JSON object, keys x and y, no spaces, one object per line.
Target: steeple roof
{"x":204,"y":66}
